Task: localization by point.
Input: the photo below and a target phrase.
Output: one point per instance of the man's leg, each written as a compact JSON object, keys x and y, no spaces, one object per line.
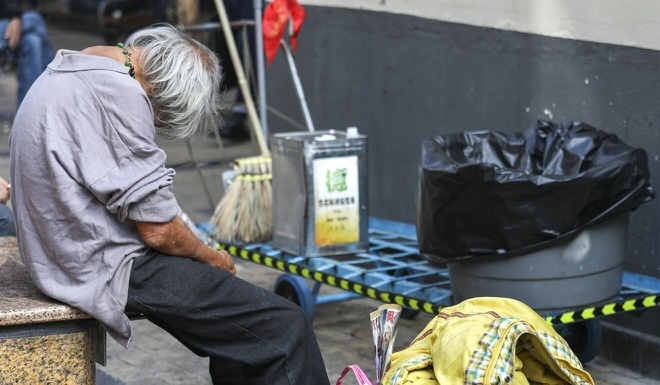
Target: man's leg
{"x":3,"y":28}
{"x":7,"y":225}
{"x":239,"y":326}
{"x":35,"y":52}
{"x":4,"y":46}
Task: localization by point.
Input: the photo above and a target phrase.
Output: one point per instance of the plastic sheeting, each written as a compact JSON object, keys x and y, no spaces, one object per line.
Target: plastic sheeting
{"x":485,"y":193}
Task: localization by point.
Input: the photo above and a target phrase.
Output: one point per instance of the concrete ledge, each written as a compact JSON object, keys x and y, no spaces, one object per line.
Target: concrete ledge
{"x":633,"y":350}
{"x":20,"y":301}
{"x":42,"y":341}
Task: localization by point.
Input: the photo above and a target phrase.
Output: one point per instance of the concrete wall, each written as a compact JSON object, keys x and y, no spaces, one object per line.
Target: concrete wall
{"x":404,"y":70}
{"x":603,"y":21}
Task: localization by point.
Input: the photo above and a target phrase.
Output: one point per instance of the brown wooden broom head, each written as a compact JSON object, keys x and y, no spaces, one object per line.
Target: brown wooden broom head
{"x":245,"y":213}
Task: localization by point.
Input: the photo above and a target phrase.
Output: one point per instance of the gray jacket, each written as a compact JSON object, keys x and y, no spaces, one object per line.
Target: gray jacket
{"x":84,"y":167}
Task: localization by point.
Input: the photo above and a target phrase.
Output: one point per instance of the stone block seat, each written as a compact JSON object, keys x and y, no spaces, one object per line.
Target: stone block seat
{"x":42,"y":341}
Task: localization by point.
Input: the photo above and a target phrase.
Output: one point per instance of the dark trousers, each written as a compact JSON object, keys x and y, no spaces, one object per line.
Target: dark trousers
{"x":251,"y":335}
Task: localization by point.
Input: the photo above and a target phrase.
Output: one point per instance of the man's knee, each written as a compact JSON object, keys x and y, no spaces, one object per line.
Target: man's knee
{"x":32,"y":21}
{"x":30,"y":41}
{"x":296,"y":319}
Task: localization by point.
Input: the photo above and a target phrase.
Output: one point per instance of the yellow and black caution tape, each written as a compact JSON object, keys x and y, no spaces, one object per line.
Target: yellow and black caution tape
{"x":617,"y":307}
{"x":611,"y":308}
{"x":331,"y":280}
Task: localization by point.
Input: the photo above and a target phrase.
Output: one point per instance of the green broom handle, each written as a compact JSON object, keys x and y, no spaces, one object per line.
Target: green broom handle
{"x":240,"y":75}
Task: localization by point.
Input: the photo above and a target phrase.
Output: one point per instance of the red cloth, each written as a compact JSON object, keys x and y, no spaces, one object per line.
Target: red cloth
{"x":276,"y":16}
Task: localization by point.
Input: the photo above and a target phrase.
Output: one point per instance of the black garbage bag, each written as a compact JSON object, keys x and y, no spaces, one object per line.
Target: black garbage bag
{"x":487,"y":193}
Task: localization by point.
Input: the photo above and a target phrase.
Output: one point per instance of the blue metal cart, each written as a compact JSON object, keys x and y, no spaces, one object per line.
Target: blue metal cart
{"x":392,"y":271}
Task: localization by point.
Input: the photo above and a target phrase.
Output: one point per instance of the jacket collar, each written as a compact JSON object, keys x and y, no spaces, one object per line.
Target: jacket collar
{"x":73,"y":61}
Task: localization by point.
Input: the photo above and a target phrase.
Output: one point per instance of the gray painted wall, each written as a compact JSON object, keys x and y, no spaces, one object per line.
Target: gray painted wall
{"x":402,"y":79}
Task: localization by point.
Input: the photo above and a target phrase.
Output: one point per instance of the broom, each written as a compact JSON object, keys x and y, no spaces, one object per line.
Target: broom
{"x":244,"y":214}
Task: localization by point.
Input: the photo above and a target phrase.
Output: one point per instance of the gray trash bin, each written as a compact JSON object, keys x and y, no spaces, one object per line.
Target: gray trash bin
{"x":583,"y":271}
{"x":540,"y":216}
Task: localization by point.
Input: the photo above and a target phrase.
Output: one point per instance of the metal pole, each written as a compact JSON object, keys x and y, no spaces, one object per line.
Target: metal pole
{"x":261,"y":68}
{"x":298,"y":86}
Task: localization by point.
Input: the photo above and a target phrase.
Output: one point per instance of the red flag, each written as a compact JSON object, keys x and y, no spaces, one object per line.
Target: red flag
{"x":276,"y":16}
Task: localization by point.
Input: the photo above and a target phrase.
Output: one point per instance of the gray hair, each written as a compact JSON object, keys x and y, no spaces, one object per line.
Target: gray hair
{"x":185,"y":77}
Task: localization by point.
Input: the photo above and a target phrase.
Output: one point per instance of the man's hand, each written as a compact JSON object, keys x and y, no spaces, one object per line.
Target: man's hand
{"x":175,"y":238}
{"x":13,"y":32}
{"x":222,"y":260}
{"x":4,"y":191}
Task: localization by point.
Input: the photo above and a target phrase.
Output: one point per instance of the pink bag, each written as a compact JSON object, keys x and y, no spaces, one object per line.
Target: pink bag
{"x":361,"y":378}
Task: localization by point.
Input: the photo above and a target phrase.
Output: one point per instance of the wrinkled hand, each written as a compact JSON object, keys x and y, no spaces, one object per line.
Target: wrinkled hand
{"x":223,"y":260}
{"x":5,"y":193}
{"x":13,"y":32}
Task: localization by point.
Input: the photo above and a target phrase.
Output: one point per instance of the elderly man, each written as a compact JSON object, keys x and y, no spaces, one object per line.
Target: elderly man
{"x":97,"y":221}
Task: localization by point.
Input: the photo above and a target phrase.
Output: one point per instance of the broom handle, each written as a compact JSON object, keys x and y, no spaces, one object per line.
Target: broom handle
{"x":240,"y":75}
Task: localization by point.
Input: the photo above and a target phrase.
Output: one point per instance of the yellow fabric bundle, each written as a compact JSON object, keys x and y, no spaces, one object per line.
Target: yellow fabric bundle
{"x":487,"y":340}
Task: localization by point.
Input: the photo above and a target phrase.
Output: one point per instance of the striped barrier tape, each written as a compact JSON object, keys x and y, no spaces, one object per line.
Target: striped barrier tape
{"x":642,"y":302}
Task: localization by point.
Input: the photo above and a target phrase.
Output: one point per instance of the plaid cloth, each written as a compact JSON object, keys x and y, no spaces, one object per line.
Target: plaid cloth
{"x":487,"y":341}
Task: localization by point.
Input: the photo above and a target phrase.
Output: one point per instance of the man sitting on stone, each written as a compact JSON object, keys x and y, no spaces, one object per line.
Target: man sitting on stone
{"x":99,"y":227}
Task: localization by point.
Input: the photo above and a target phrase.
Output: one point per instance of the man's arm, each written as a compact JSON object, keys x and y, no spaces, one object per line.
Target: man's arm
{"x":175,"y":238}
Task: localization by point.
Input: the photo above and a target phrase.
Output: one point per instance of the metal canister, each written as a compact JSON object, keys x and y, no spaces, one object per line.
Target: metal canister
{"x":320,"y":192}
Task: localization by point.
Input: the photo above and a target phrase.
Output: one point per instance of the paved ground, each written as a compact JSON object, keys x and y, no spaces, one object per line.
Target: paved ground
{"x":342,"y":328}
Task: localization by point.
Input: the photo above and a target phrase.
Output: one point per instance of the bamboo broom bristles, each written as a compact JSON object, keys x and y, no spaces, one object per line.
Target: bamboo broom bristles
{"x":245,"y":215}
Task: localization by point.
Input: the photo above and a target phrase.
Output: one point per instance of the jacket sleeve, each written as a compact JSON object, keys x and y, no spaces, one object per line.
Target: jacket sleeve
{"x":139,"y":186}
